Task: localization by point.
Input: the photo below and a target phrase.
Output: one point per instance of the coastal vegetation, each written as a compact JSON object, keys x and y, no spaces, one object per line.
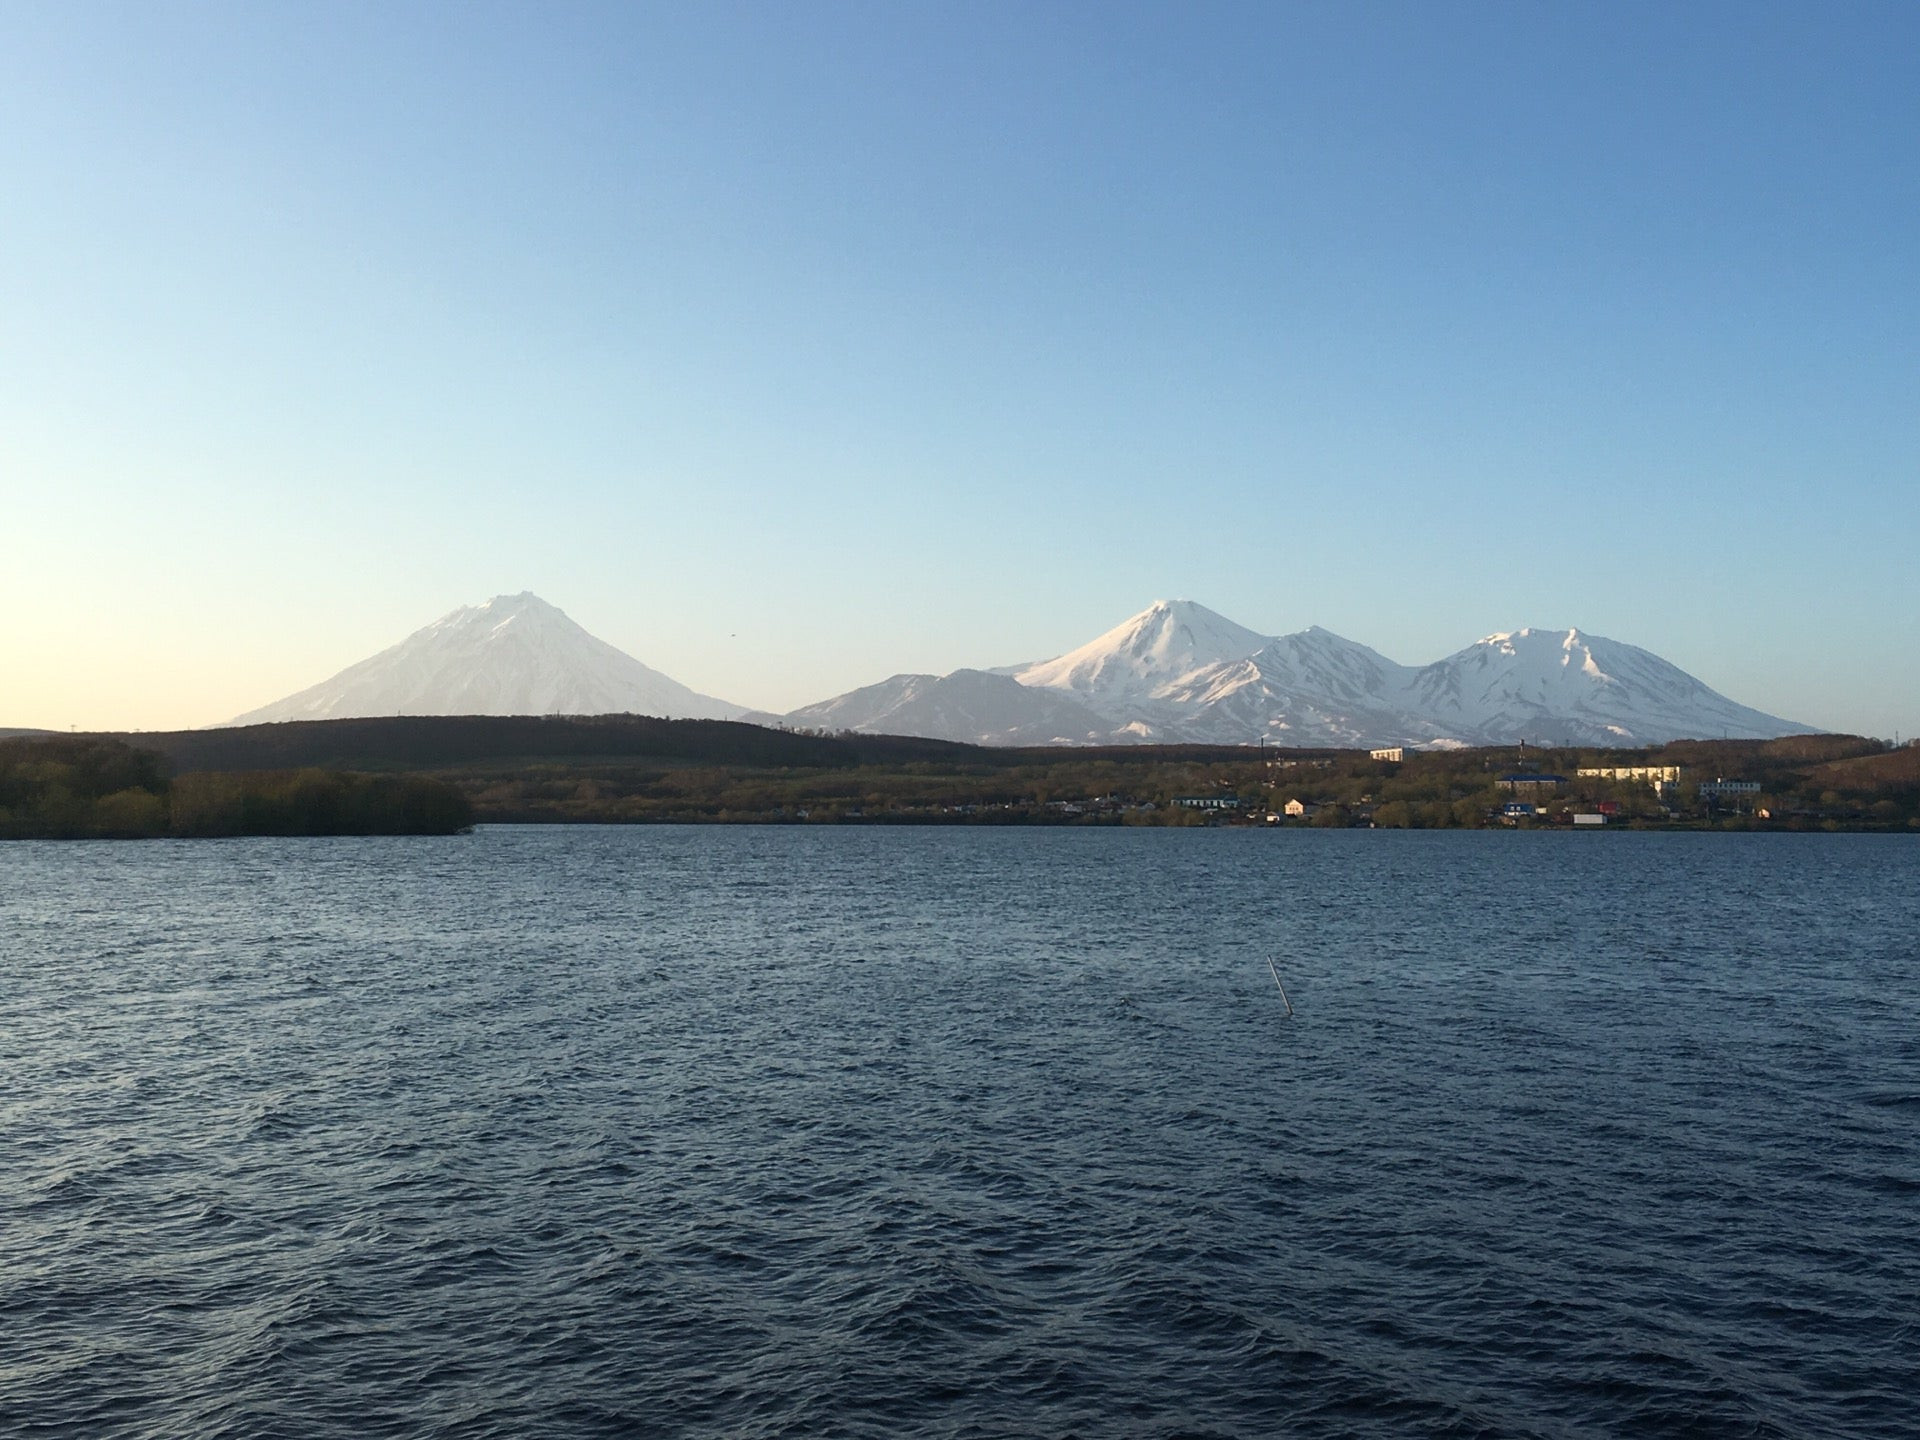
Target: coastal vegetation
{"x":630,"y":769}
{"x":89,"y":787}
{"x":1853,"y":789}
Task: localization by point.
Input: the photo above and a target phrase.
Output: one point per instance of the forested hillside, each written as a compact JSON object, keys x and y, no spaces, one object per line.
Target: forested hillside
{"x":88,"y":787}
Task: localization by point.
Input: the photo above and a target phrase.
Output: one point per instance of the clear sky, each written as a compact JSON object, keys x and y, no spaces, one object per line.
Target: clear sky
{"x":788,"y":346}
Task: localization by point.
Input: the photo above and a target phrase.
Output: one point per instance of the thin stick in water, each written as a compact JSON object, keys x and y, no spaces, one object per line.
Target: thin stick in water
{"x":1282,"y":988}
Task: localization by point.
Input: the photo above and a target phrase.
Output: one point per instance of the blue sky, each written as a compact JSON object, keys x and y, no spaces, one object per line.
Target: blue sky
{"x":790,"y":346}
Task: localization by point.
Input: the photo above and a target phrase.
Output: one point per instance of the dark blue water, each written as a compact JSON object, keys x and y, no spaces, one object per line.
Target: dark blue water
{"x":770,"y":1132}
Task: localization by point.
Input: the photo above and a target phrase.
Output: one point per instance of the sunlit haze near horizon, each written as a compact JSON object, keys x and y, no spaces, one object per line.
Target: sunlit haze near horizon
{"x":790,"y":347}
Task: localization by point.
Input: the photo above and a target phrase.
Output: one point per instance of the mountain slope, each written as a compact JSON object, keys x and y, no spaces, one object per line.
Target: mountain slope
{"x":1159,"y":647}
{"x":513,"y":655}
{"x":1180,"y":672}
{"x":1309,"y":688}
{"x":1565,"y":687}
{"x":1181,"y":669}
{"x":971,"y":706}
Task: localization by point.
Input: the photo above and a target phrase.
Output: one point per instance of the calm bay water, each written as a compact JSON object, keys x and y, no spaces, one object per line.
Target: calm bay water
{"x":770,"y":1132}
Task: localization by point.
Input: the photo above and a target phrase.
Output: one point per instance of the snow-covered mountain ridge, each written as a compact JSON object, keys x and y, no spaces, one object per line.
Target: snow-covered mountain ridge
{"x":1178,"y":672}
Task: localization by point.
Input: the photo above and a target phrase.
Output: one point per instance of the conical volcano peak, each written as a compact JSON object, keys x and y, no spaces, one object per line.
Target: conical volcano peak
{"x":1184,"y":612}
{"x":511,"y":655}
{"x":1168,"y":639}
{"x":505,"y":607}
{"x":523,"y":602}
{"x":524,"y":613}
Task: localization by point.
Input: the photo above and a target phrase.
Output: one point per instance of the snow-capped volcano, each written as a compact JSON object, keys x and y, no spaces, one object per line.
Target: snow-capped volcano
{"x":1565,"y":687}
{"x":1179,"y":672}
{"x":1164,"y":644}
{"x":513,"y":655}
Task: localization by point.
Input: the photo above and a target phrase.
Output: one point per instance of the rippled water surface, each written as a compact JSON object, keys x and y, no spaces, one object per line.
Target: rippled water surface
{"x":862,"y":1132}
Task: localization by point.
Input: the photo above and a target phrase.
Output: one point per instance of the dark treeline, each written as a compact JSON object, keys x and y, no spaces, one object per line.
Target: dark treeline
{"x":416,"y":742}
{"x":61,"y":788}
{"x":87,"y":787}
{"x":316,"y":802}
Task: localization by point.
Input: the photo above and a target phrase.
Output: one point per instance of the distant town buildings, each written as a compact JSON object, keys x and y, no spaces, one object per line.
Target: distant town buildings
{"x":1535,"y":785}
{"x":1393,"y":754}
{"x":1663,"y":778}
{"x":1207,"y":802}
{"x":1653,"y":774}
{"x":1729,"y":792}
